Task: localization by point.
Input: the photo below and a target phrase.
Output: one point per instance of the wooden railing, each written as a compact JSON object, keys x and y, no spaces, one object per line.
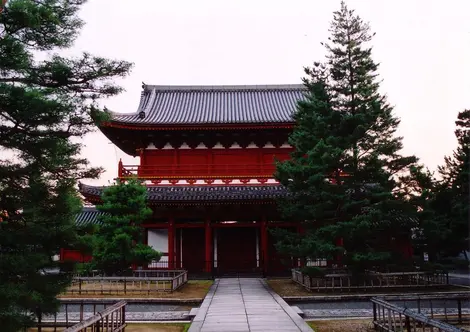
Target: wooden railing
{"x":71,"y":313}
{"x":197,"y":171}
{"x":390,"y":317}
{"x":371,"y":280}
{"x":111,"y":319}
{"x":163,"y":281}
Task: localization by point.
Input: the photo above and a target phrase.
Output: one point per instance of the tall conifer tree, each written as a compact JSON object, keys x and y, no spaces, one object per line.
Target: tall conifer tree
{"x":456,"y":179}
{"x":346,"y":170}
{"x":44,"y":104}
{"x":444,"y":202}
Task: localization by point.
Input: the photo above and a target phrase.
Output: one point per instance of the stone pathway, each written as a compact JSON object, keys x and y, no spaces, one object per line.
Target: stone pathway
{"x":248,"y":304}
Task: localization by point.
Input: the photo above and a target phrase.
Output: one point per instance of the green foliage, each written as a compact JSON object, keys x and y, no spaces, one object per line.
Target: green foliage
{"x":444,"y":203}
{"x":313,"y":271}
{"x":118,"y":240}
{"x":43,"y":105}
{"x":346,"y":175}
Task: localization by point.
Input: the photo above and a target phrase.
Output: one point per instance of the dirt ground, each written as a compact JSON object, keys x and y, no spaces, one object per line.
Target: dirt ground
{"x":138,"y":328}
{"x":351,"y":325}
{"x":346,"y":325}
{"x":287,"y":287}
{"x":192,"y":289}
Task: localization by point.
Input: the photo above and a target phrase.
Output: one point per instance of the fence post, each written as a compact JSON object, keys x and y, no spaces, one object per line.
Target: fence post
{"x":459,"y":308}
{"x":125,"y":285}
{"x":407,"y":324}
{"x":80,"y":286}
{"x":375,"y":311}
{"x":39,"y":315}
{"x":123,"y":316}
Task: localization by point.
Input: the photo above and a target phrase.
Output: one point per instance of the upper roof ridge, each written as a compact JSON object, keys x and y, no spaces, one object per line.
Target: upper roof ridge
{"x":255,"y":87}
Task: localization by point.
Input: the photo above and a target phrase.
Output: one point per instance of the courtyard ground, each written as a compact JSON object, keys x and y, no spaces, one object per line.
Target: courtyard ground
{"x":342,"y":325}
{"x":287,"y":288}
{"x":352,"y":325}
{"x":193,"y":289}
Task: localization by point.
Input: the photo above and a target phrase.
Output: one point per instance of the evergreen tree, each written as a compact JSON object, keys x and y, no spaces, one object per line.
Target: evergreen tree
{"x":444,"y":203}
{"x":347,"y":168}
{"x":118,"y":240}
{"x":43,"y":105}
{"x":456,"y":180}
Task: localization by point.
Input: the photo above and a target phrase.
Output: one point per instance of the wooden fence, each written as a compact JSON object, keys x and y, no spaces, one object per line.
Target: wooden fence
{"x":111,"y":319}
{"x":393,"y":318}
{"x":72,"y":312}
{"x":161,"y":281}
{"x":371,"y":280}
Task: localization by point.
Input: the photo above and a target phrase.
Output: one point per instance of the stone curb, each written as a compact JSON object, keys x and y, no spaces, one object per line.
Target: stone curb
{"x":134,"y":300}
{"x":298,"y":321}
{"x":198,"y":320}
{"x":359,"y":297}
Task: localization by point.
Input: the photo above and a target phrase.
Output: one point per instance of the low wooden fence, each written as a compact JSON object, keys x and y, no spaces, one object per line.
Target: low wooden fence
{"x":391,"y":317}
{"x":111,"y":319}
{"x":74,"y":312}
{"x":371,"y":280}
{"x":161,"y":281}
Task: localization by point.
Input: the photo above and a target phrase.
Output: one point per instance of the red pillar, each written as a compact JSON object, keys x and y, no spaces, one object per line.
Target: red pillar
{"x":120,"y":173}
{"x":208,"y":242}
{"x":171,"y":243}
{"x":264,"y":244}
{"x":339,"y":257}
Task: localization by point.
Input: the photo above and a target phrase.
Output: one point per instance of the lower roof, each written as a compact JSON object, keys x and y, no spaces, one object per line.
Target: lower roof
{"x":88,"y":215}
{"x":207,"y":193}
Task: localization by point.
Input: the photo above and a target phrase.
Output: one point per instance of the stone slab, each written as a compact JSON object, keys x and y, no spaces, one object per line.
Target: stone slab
{"x":246,"y":304}
{"x":193,"y":312}
{"x":298,"y":311}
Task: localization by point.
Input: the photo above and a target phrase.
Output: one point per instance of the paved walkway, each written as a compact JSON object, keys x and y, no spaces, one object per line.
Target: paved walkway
{"x":248,"y":304}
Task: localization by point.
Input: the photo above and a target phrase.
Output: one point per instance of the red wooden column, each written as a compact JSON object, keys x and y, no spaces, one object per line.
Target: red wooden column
{"x":264,"y":244}
{"x":208,"y":245}
{"x":171,"y":243}
{"x":339,"y":257}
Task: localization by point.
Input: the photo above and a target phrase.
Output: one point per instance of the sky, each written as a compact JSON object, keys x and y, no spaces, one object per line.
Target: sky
{"x":423,"y":47}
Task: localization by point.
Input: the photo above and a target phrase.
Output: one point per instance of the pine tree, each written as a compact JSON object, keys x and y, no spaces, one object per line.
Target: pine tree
{"x":118,"y":240}
{"x":43,"y":105}
{"x":456,"y":179}
{"x":308,"y":174}
{"x":346,"y":173}
{"x":445,"y":213}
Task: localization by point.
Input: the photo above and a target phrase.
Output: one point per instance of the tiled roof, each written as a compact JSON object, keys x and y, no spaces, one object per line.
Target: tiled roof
{"x":243,"y":104}
{"x":208,"y":193}
{"x":89,"y":215}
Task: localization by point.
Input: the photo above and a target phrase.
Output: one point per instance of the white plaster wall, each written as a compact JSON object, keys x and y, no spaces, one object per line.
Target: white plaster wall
{"x":158,"y":240}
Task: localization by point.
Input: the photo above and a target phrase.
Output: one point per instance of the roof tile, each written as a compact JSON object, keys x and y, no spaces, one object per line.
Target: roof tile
{"x":172,"y":105}
{"x":182,"y":193}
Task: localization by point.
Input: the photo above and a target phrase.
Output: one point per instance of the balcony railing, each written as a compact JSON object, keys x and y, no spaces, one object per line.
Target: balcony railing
{"x":198,"y":171}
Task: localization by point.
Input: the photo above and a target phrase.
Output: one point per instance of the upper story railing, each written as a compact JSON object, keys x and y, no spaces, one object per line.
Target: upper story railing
{"x":193,"y":172}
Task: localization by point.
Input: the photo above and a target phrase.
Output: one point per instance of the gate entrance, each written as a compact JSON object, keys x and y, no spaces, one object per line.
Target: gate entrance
{"x":237,"y":252}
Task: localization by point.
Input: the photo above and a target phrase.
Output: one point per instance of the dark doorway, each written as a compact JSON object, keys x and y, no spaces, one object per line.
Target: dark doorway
{"x":193,"y":249}
{"x":237,"y":252}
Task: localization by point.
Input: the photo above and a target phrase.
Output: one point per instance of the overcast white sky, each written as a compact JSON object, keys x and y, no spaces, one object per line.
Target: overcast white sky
{"x":423,"y":47}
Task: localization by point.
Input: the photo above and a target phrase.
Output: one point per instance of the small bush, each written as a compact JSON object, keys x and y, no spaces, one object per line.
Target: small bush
{"x":84,"y":269}
{"x":313,"y":271}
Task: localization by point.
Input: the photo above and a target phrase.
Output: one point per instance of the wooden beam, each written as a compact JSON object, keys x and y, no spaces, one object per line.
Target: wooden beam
{"x":235,"y":225}
{"x":156,"y":225}
{"x":189,"y":225}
